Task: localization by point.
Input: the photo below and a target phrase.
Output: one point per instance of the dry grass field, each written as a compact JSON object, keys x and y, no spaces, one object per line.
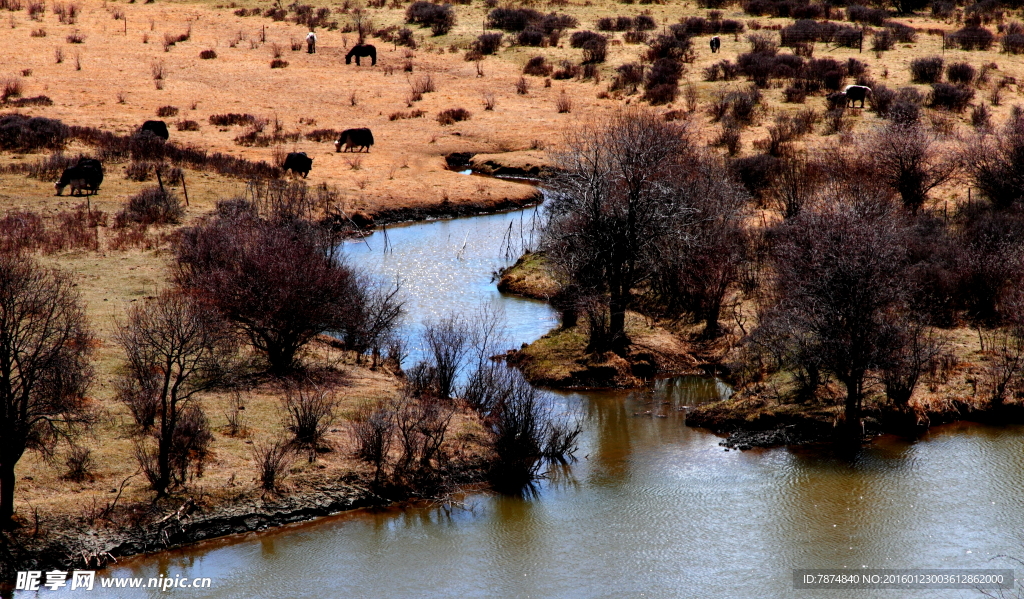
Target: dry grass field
{"x":108,"y":81}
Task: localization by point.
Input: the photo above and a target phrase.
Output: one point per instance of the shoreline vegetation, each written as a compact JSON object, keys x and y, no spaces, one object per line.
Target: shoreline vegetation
{"x":755,"y":415}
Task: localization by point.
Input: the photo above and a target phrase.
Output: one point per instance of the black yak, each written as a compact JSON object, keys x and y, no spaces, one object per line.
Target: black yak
{"x":362,"y":51}
{"x":856,"y":93}
{"x":354,"y":138}
{"x":298,"y":162}
{"x":86,"y":175}
{"x":157,"y":128}
{"x":716,"y":44}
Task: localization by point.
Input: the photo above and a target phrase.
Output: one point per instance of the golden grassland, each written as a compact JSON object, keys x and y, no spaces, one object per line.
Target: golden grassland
{"x":405,"y":169}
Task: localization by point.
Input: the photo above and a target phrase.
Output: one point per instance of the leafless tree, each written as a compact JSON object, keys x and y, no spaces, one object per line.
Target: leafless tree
{"x":840,"y":283}
{"x":279,"y":282}
{"x":700,"y":262}
{"x":422,"y":425}
{"x":910,"y":351}
{"x":175,"y":347}
{"x":1006,"y":358}
{"x":910,"y":160}
{"x":996,"y":163}
{"x":374,"y":314}
{"x":612,"y":205}
{"x":448,"y":342}
{"x":44,"y":368}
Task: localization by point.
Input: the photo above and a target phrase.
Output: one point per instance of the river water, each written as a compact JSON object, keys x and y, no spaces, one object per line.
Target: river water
{"x":651,"y":509}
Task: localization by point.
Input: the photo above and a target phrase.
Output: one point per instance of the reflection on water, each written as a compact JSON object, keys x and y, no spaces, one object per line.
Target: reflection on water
{"x":652,"y":509}
{"x":448,"y":266}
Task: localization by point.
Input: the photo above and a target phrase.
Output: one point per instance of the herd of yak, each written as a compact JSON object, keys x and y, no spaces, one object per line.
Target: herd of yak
{"x":87,"y":174}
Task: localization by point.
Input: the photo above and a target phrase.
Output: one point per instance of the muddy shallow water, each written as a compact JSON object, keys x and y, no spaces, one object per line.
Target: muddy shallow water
{"x":651,"y":509}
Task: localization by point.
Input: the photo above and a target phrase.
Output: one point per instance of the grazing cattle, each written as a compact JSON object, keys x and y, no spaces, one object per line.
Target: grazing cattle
{"x":855,"y":93}
{"x":86,"y":175}
{"x":362,"y":51}
{"x":298,"y":162}
{"x":716,"y":44}
{"x":157,"y":128}
{"x":354,"y":138}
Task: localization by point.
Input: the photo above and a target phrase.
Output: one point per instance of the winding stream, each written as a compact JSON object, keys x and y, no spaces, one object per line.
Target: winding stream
{"x":652,"y":509}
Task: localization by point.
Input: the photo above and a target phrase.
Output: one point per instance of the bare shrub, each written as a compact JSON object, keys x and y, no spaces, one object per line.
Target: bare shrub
{"x":522,"y":86}
{"x":374,"y":430}
{"x":152,"y":205}
{"x":836,"y":121}
{"x":22,"y":133}
{"x":310,"y":412}
{"x":271,"y":458}
{"x":951,"y":97}
{"x":227,"y":120}
{"x":488,"y":43}
{"x":186,"y":125}
{"x":564,"y":103}
{"x":972,"y":37}
{"x":730,"y":137}
{"x":453,"y":115}
{"x":423,"y":84}
{"x":277,"y":63}
{"x":960,"y":73}
{"x":79,"y":464}
{"x":448,"y":343}
{"x":489,"y":101}
{"x":538,"y":66}
{"x":525,"y":434}
{"x":882,"y":41}
{"x":981,"y":117}
{"x":167,"y":111}
{"x":11,"y":88}
{"x":208,"y":54}
{"x":926,"y":70}
{"x":235,"y":416}
{"x":76,"y":37}
{"x":995,"y":167}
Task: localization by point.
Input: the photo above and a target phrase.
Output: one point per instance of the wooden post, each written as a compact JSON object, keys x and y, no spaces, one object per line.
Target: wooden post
{"x":183,"y":187}
{"x":126,"y":24}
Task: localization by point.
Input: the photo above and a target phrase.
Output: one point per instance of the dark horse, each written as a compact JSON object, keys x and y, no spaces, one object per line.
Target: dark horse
{"x":362,"y":51}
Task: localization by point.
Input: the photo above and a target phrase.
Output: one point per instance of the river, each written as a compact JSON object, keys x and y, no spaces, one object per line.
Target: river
{"x":651,"y":509}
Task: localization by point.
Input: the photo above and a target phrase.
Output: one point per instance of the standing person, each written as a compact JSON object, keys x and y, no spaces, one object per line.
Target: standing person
{"x":311,"y":43}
